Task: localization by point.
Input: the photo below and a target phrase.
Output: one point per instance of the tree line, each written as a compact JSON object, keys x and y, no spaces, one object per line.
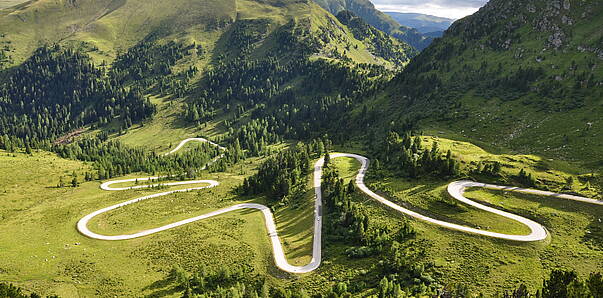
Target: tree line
{"x":5,"y":49}
{"x":295,"y":113}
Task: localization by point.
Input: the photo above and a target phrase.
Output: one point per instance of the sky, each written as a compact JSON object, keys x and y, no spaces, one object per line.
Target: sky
{"x":452,"y":9}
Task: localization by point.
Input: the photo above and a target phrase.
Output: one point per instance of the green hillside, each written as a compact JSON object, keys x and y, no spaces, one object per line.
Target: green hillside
{"x":413,"y":37}
{"x":379,"y":43}
{"x":107,"y":27}
{"x":520,"y":75}
{"x":183,"y":49}
{"x":94,"y":91}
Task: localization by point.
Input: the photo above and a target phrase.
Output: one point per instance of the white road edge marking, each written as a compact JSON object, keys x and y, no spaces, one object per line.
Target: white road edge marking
{"x":455,"y":189}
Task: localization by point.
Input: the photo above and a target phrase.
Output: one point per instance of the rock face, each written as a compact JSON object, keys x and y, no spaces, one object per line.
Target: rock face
{"x":553,"y":19}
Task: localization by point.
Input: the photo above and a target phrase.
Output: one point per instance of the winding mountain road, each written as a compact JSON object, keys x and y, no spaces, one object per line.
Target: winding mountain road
{"x":455,"y":189}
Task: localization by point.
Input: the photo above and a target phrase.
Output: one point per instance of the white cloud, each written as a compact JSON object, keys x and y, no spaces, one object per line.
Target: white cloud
{"x":447,"y":9}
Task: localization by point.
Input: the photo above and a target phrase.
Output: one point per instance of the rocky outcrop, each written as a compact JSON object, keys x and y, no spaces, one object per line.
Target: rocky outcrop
{"x":553,"y":19}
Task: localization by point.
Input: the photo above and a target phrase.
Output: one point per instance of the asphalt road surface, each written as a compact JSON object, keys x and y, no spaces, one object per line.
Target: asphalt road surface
{"x":455,"y":189}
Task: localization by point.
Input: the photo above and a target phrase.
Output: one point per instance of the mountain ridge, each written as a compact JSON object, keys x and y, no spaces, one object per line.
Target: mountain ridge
{"x":425,"y":24}
{"x":367,"y":11}
{"x":107,"y":27}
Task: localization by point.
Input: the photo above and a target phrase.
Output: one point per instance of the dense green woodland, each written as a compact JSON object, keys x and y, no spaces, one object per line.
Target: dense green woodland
{"x":148,"y":65}
{"x":282,"y":177}
{"x":262,"y":111}
{"x":263,"y":87}
{"x":58,"y":90}
{"x":406,"y":156}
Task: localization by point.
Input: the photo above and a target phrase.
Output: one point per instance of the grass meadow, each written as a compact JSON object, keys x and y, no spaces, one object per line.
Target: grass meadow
{"x":41,"y":250}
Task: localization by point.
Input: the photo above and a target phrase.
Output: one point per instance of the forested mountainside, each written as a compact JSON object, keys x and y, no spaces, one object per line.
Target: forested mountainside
{"x":57,"y":91}
{"x":367,"y":11}
{"x":413,"y":37}
{"x":522,"y":74}
{"x":107,"y":58}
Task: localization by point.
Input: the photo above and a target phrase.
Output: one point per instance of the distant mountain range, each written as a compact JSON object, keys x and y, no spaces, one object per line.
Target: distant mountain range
{"x":425,"y":24}
{"x":376,"y":18}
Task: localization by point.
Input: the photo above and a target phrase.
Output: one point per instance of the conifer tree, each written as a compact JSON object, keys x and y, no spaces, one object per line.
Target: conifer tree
{"x":74,"y":182}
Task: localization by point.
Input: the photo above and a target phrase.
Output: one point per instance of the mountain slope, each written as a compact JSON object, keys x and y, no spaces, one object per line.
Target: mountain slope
{"x":206,"y":55}
{"x":367,"y":11}
{"x":105,"y":28}
{"x":423,"y":23}
{"x":381,"y":44}
{"x":364,"y":9}
{"x":413,"y":37}
{"x":521,"y":74}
